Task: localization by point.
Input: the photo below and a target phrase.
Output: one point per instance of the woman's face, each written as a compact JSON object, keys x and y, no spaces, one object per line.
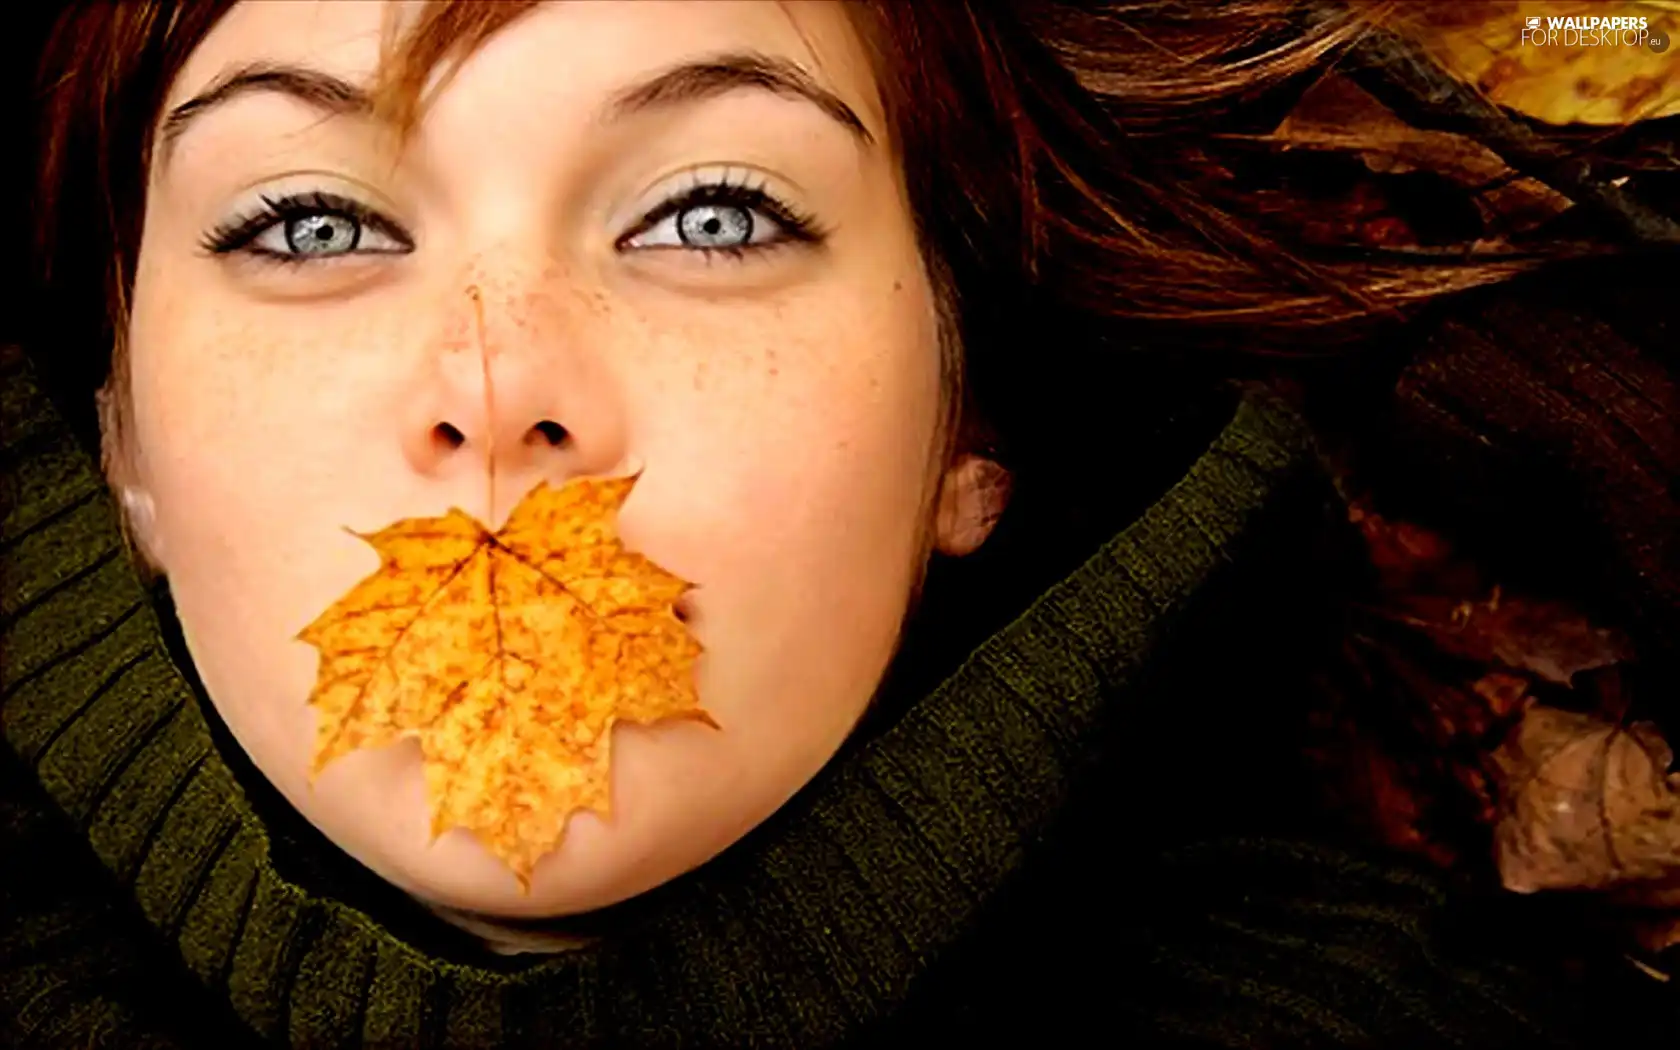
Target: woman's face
{"x":650,"y":263}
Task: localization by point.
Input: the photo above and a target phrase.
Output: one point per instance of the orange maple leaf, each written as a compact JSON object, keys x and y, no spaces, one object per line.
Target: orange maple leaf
{"x":510,"y":656}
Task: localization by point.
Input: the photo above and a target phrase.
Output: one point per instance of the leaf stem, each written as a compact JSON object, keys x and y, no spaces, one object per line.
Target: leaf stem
{"x":477,"y":298}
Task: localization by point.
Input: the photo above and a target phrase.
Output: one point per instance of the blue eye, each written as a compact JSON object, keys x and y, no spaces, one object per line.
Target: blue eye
{"x":720,"y":218}
{"x":320,"y":234}
{"x":716,"y":226}
{"x":308,"y":226}
{"x":709,"y":227}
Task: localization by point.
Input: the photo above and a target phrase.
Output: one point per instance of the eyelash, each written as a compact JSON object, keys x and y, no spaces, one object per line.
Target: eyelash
{"x":237,"y":234}
{"x":796,"y":227}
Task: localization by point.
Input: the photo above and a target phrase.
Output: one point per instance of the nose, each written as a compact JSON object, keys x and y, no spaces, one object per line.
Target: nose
{"x":508,"y":399}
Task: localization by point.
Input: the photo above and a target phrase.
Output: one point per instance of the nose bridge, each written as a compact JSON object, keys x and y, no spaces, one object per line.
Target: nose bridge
{"x":501,"y":304}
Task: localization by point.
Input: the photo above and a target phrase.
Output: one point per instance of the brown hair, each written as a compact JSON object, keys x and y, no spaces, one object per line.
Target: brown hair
{"x":1045,"y":149}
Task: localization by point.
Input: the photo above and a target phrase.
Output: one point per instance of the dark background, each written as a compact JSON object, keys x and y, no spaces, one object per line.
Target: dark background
{"x":20,"y":47}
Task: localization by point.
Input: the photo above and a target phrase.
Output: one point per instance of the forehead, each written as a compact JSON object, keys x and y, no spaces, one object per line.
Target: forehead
{"x":567,"y":47}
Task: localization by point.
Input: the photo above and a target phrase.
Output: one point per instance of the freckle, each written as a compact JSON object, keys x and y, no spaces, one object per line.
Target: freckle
{"x":770,"y":356}
{"x":590,"y":302}
{"x":898,"y":286}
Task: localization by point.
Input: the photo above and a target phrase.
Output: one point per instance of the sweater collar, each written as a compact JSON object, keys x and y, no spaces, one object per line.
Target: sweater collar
{"x":814,"y":926}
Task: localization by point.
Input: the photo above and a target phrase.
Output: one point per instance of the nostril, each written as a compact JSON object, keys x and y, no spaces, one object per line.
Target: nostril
{"x":548,"y":431}
{"x":448,"y":436}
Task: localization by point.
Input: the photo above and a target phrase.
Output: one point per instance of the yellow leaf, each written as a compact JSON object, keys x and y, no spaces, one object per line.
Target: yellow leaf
{"x":1560,"y":78}
{"x":510,"y":656}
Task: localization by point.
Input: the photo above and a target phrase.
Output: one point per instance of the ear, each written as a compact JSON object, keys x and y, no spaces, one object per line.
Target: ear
{"x":972,"y":496}
{"x":140,"y":521}
{"x":139,"y":511}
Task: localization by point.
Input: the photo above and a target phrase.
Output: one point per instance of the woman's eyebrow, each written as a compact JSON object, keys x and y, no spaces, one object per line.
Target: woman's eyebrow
{"x":321,"y":90}
{"x":704,"y":78}
{"x":684,"y":83}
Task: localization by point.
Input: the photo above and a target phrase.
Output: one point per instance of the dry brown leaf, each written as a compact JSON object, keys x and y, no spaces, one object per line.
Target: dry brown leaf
{"x":510,"y":656}
{"x":1427,"y":586}
{"x":1588,"y":804}
{"x":1560,"y":82}
{"x":1545,"y":638}
{"x":1409,"y":557}
{"x":1504,"y":693}
{"x":1337,"y":114}
{"x":1411,"y":725}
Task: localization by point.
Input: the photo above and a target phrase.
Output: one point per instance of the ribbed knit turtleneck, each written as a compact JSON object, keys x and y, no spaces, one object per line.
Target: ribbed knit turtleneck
{"x":821,"y":925}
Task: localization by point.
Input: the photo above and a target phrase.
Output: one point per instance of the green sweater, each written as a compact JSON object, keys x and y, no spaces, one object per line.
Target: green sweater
{"x":1082,"y":835}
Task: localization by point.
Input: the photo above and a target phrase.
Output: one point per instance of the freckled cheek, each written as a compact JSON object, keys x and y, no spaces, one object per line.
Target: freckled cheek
{"x":251,"y":415}
{"x":788,"y":429}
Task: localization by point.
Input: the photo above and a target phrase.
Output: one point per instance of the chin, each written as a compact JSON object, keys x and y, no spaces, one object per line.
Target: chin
{"x":373,"y":804}
{"x":583,"y":875}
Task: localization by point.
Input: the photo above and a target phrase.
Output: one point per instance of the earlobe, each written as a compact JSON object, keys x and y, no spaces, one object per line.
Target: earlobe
{"x":139,"y":510}
{"x":140,"y":513}
{"x":971,"y":500}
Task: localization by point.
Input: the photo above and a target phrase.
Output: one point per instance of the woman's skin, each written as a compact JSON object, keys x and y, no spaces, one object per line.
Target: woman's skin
{"x":784,"y":403}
